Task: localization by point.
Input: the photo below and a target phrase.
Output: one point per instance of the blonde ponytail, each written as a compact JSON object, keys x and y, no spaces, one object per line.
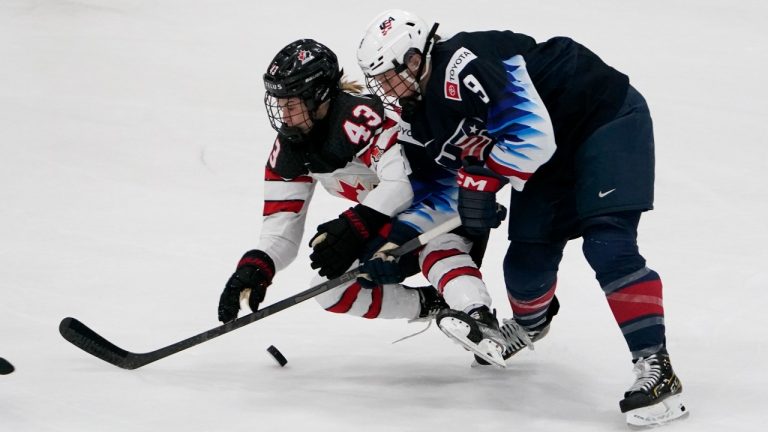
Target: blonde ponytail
{"x":350,"y":86}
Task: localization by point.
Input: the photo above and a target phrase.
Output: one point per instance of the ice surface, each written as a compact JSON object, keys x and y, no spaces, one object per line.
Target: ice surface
{"x":132,"y":140}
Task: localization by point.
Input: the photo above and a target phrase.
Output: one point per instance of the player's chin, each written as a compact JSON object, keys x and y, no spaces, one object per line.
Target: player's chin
{"x":305,"y":127}
{"x":409,"y":93}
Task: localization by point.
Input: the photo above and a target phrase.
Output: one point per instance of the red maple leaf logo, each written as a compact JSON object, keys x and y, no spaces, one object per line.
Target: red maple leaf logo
{"x":376,"y":153}
{"x":350,"y":192}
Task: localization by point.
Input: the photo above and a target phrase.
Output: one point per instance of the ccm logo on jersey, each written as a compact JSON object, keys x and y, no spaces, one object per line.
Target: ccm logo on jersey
{"x":478,"y":183}
{"x":458,"y":62}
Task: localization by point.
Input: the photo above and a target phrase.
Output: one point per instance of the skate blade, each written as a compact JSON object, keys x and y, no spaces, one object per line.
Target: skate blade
{"x":661,"y":413}
{"x":476,"y":364}
{"x":486,"y":349}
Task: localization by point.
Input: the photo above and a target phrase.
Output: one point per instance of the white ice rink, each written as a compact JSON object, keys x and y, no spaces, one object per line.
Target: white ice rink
{"x":132,"y":140}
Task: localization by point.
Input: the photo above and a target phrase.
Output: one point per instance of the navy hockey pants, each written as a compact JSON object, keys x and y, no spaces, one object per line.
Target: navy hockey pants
{"x":633,"y":291}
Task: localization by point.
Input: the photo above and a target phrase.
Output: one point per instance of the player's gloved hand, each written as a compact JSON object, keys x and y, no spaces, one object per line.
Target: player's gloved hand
{"x":382,"y":268}
{"x":338,"y":243}
{"x":253,"y":275}
{"x":478,"y":208}
{"x":379,"y":266}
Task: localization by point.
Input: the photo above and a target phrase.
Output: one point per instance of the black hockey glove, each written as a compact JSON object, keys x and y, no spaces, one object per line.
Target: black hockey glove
{"x":478,"y":208}
{"x":339,"y":243}
{"x":255,"y":272}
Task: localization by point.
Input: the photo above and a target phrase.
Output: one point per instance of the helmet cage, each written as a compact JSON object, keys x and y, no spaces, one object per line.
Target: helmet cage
{"x":376,"y":87}
{"x":277,"y":116}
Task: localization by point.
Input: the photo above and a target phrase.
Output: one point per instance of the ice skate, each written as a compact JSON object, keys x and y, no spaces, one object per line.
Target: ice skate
{"x":432,"y":303}
{"x":518,"y":337}
{"x":656,"y":396}
{"x":477,"y":331}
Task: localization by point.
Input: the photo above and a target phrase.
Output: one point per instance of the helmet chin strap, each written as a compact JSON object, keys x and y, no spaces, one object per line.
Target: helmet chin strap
{"x":410,"y":103}
{"x":427,"y":47}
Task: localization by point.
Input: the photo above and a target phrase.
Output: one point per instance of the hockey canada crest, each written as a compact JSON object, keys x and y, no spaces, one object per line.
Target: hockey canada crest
{"x":305,"y":56}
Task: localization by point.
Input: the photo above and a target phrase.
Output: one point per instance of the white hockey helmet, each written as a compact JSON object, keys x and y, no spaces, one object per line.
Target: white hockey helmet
{"x":387,"y":40}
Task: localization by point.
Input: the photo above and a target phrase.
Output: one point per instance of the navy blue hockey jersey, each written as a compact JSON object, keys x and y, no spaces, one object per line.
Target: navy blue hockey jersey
{"x":503,"y":97}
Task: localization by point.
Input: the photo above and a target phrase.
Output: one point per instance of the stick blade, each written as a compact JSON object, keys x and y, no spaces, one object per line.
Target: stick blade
{"x":81,"y":336}
{"x":5,"y":367}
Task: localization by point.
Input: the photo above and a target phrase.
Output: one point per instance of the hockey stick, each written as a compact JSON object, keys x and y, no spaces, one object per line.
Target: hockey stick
{"x":91,"y":342}
{"x":5,"y":367}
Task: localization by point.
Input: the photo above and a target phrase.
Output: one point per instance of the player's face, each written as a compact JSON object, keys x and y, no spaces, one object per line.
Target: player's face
{"x":295,"y":114}
{"x":396,"y":85}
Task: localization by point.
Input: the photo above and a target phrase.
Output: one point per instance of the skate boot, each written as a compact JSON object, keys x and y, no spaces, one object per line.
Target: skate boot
{"x":431,"y":303}
{"x":655,"y":398}
{"x":478,"y":332}
{"x":518,"y":337}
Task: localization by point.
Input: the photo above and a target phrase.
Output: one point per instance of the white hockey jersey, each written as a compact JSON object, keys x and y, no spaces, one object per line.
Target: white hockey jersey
{"x":360,"y":142}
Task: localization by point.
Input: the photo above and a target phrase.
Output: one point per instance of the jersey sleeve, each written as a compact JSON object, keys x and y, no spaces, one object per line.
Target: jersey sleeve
{"x":435,"y":201}
{"x":285,"y":210}
{"x":516,"y":117}
{"x":385,"y":156}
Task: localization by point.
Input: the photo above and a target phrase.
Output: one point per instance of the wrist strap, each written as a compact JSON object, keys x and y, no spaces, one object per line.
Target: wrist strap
{"x":258,"y":259}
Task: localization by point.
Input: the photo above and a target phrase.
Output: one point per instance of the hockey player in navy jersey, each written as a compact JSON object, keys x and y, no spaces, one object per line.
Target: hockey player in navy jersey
{"x":573,"y":139}
{"x":330,"y":134}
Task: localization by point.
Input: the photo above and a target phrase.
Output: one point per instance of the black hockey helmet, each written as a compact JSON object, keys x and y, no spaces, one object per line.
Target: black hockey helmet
{"x":305,"y":69}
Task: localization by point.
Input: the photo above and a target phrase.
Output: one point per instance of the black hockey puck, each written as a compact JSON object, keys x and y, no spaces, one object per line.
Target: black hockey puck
{"x":6,"y":367}
{"x":277,"y":355}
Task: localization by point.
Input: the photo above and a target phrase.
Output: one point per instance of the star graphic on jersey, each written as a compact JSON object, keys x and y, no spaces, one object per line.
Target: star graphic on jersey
{"x":350,"y":192}
{"x":472,"y":129}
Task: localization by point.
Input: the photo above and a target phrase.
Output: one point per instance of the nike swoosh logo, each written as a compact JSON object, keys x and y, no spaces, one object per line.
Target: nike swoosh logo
{"x":602,"y":194}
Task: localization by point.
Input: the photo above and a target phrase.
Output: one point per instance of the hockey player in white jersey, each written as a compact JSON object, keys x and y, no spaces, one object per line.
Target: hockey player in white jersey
{"x":330,"y":134}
